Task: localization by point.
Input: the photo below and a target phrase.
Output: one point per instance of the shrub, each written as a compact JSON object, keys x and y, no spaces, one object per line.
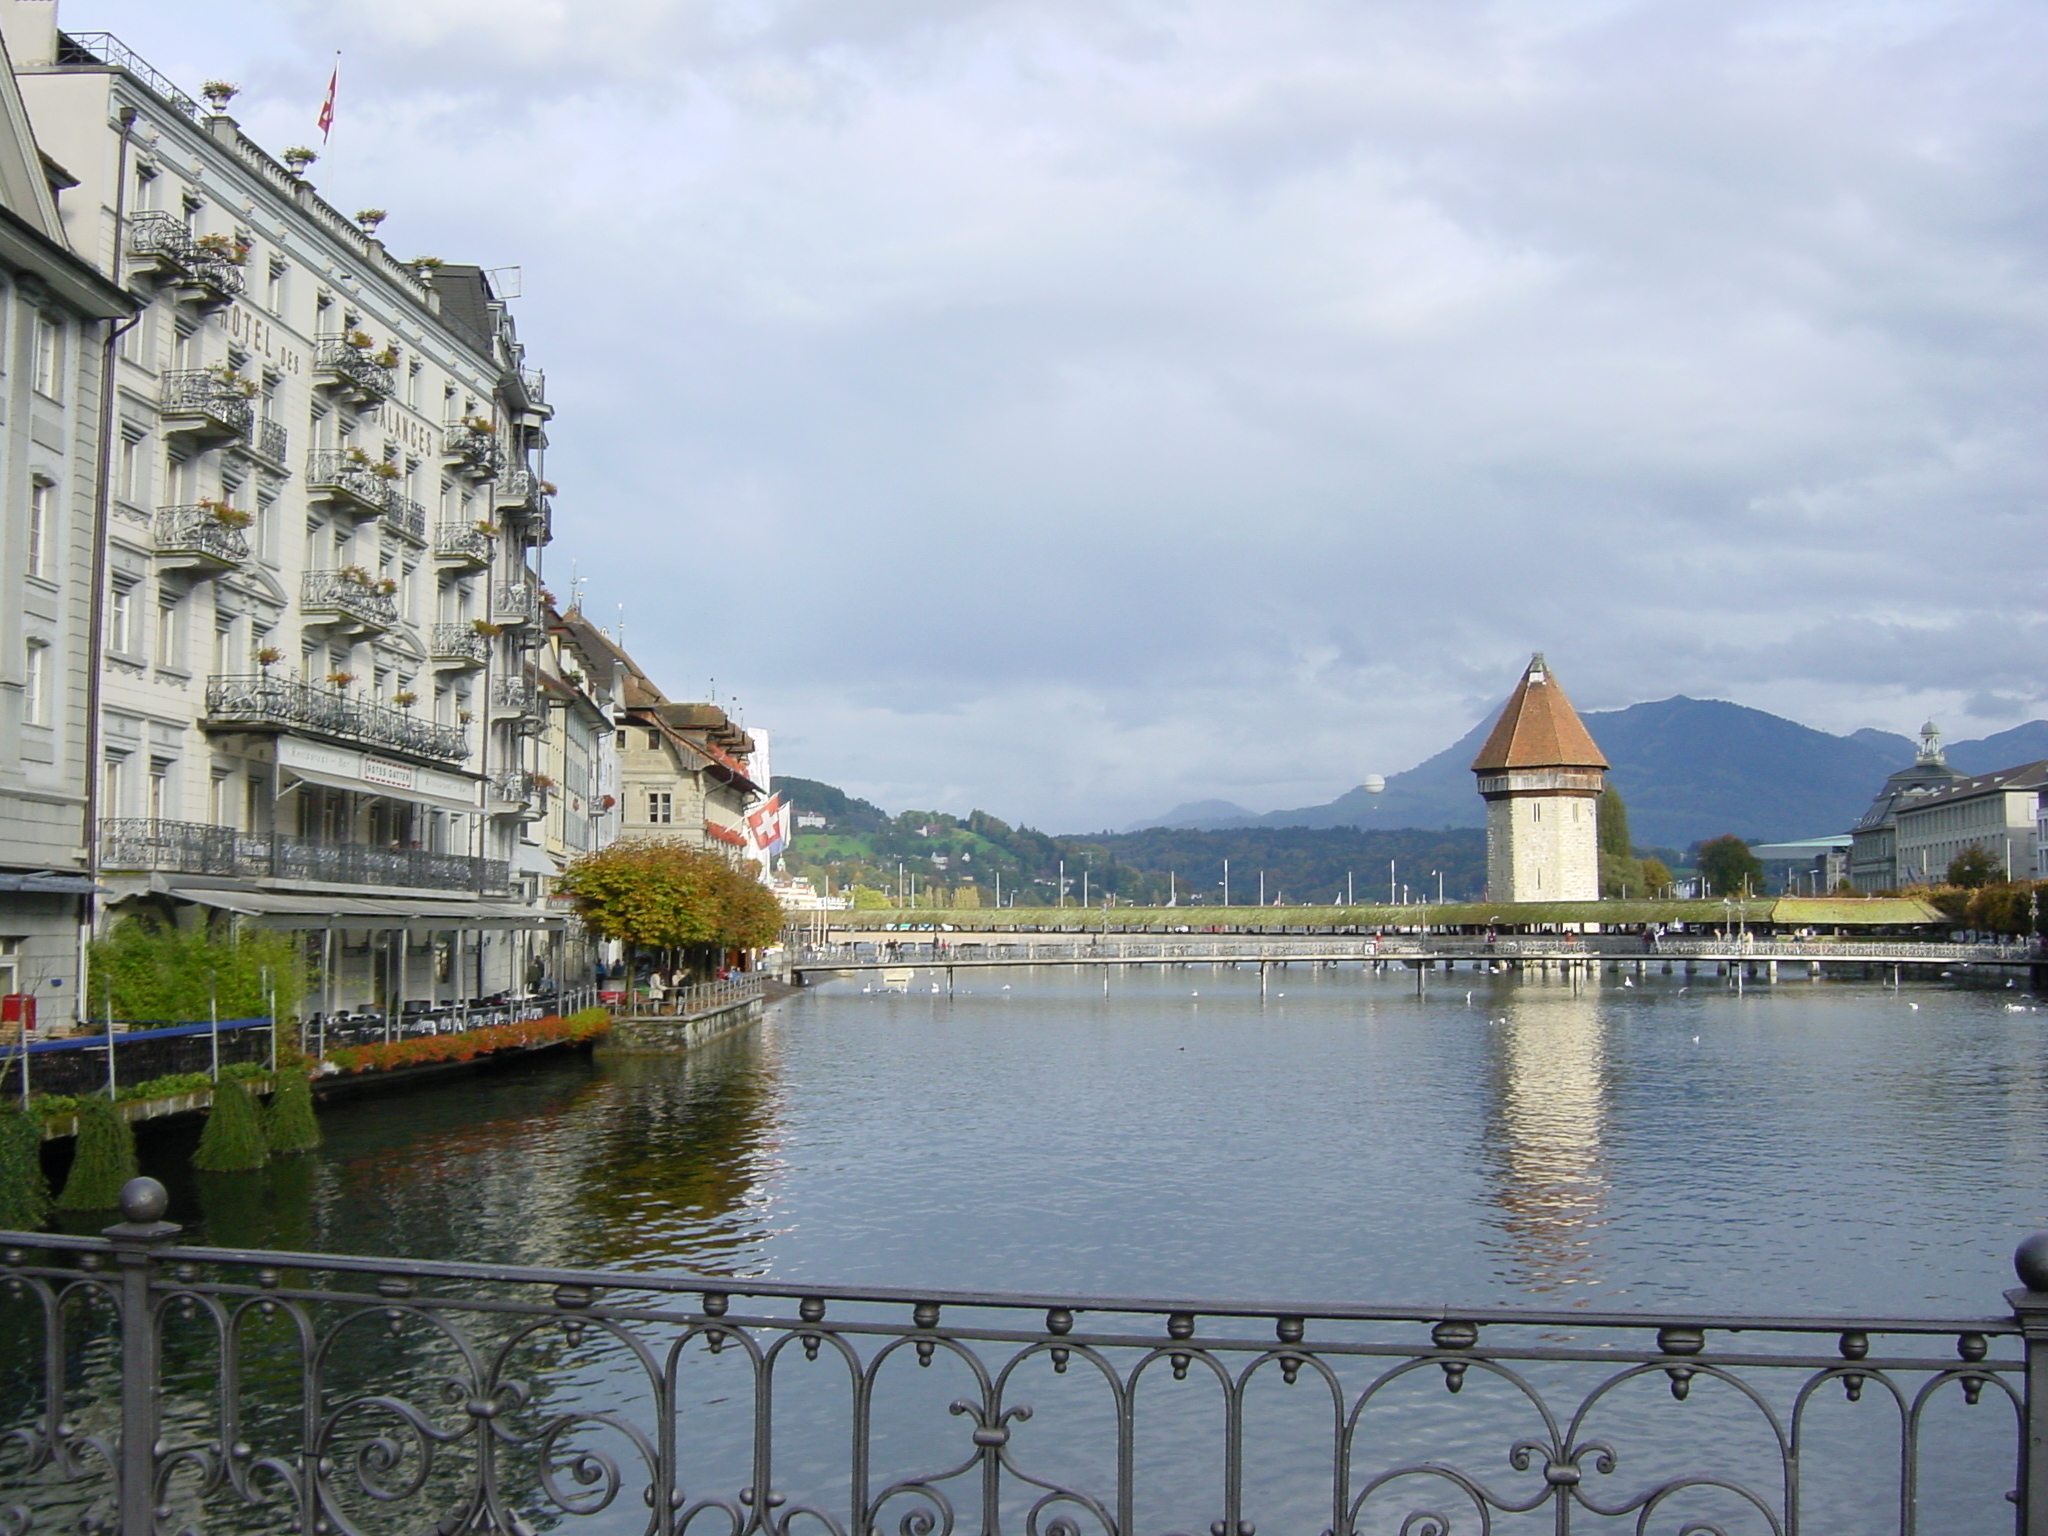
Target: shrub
{"x":424,"y":1050}
{"x":233,"y":1138}
{"x":105,"y":1159}
{"x":24,"y":1192}
{"x":149,"y":972}
{"x":289,"y":1124}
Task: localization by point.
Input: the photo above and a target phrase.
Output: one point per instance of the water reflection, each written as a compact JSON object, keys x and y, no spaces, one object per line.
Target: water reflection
{"x":1545,"y":1145}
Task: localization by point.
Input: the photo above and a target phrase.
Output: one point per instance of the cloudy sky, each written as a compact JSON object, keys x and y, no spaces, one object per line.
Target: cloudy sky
{"x":1074,"y":407}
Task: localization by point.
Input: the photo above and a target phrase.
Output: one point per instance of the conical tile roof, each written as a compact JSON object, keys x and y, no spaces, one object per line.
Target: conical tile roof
{"x":1538,"y":729}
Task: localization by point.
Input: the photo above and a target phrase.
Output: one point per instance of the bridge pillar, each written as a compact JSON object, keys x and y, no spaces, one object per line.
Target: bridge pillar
{"x":1774,"y":973}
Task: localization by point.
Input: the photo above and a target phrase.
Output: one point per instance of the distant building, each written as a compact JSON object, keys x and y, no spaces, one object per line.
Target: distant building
{"x":1874,"y":863}
{"x":1993,"y":811}
{"x":1541,"y":776}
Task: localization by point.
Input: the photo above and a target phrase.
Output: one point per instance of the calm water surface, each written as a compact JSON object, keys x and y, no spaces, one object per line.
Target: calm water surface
{"x":1801,"y":1147}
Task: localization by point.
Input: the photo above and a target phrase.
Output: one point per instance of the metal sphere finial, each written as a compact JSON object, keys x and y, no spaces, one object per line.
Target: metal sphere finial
{"x":144,"y":1201}
{"x":2030,"y":1262}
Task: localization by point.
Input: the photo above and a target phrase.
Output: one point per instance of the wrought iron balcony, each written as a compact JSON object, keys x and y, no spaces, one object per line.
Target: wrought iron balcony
{"x":464,"y":542}
{"x":460,"y":645}
{"x":195,"y":848}
{"x":515,"y":488}
{"x":278,"y":703}
{"x":271,"y":441}
{"x":163,"y":239}
{"x":515,"y":792}
{"x":406,"y":516}
{"x":199,"y":536}
{"x":347,"y":597}
{"x":474,"y":450}
{"x":516,"y":603}
{"x":518,"y":699}
{"x":202,"y":403}
{"x":339,"y":365}
{"x":348,"y":480}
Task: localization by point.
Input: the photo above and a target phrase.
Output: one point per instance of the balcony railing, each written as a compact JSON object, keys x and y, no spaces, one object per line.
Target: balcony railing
{"x":516,"y":602}
{"x":515,"y":488}
{"x":286,"y":704}
{"x":475,"y":451}
{"x":406,"y":516}
{"x":375,"y":1394}
{"x":212,"y":405}
{"x":330,"y":592}
{"x":460,"y":642}
{"x":465,"y":542}
{"x":194,"y":848}
{"x":164,"y":238}
{"x":199,"y":532}
{"x":515,"y":695}
{"x":271,"y":441}
{"x":513,"y":786}
{"x":345,"y":477}
{"x":350,"y":369}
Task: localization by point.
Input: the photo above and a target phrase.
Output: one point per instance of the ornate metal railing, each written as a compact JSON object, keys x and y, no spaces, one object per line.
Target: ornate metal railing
{"x":460,"y":642}
{"x":105,"y":48}
{"x":279,"y":702}
{"x":464,"y":541}
{"x":165,"y":1388}
{"x":513,"y":786}
{"x":351,"y":368}
{"x":194,"y":848}
{"x":164,"y":237}
{"x":516,"y":602}
{"x":200,"y":531}
{"x":334,"y":592}
{"x":199,"y":393}
{"x":515,"y":695}
{"x":331,"y":472}
{"x":474,"y":450}
{"x":405,"y":515}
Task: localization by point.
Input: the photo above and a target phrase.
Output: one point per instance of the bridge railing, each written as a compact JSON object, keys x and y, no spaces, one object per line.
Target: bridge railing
{"x":1618,"y":947}
{"x":161,"y":1388}
{"x":700,"y":997}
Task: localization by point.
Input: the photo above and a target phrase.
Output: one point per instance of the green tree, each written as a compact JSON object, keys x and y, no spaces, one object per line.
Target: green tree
{"x":24,"y":1192}
{"x":1656,"y":876}
{"x":867,"y":899}
{"x":104,"y":1159}
{"x":1621,"y":872}
{"x":1975,"y":867}
{"x":1728,"y":866}
{"x":233,"y":1138}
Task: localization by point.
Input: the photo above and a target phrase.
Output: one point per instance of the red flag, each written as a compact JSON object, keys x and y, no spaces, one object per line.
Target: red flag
{"x":327,"y":106}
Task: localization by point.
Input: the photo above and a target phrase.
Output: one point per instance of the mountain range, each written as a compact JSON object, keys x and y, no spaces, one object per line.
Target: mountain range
{"x":1688,"y":768}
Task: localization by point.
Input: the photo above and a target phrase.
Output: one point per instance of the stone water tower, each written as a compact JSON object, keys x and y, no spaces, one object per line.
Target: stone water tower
{"x":1541,"y":775}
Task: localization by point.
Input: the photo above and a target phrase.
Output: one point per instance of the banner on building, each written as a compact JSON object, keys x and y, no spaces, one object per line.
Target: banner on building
{"x":768,"y":827}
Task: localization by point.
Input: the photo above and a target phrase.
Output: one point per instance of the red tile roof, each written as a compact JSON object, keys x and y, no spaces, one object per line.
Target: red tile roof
{"x":1538,"y":729}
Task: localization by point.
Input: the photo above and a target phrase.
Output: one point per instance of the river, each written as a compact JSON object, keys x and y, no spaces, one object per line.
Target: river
{"x":1660,"y":1145}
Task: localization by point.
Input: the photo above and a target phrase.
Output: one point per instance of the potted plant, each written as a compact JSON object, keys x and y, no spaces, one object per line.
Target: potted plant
{"x":298,"y":157}
{"x":388,"y":358}
{"x":384,"y":469}
{"x":219,"y":93}
{"x":388,"y":585}
{"x":488,"y":529}
{"x":547,"y":488}
{"x":425,"y":264}
{"x":355,"y":575}
{"x":463,"y":717}
{"x":360,"y":340}
{"x":268,"y":656}
{"x":340,"y":680}
{"x":370,"y":218}
{"x":405,"y":699}
{"x":486,"y":628}
{"x":227,"y":516}
{"x":355,"y":458}
{"x":481,"y":425}
{"x":541,"y":781}
{"x":233,"y":249}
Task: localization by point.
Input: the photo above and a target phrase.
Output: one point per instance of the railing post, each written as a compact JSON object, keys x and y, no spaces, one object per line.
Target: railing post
{"x":141,"y":1229}
{"x":2030,"y":1310}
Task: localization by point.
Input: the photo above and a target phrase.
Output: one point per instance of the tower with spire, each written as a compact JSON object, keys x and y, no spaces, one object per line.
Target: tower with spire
{"x":1541,"y":775}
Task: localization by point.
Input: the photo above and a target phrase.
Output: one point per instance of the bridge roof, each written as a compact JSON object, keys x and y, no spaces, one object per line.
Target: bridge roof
{"x":1538,"y":729}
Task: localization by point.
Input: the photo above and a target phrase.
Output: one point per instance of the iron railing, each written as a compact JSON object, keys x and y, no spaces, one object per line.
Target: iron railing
{"x":406,"y":516}
{"x":285,"y":703}
{"x":199,"y":531}
{"x":516,"y":602}
{"x":349,"y":367}
{"x":334,"y":592}
{"x":105,"y":48}
{"x":219,"y":405}
{"x":271,"y":440}
{"x":513,"y":786}
{"x":515,"y":695}
{"x":164,"y":237}
{"x":475,"y":450}
{"x":331,"y":472}
{"x":196,"y":848}
{"x":464,"y":541}
{"x":697,"y":998}
{"x":160,"y":1388}
{"x":460,"y":642}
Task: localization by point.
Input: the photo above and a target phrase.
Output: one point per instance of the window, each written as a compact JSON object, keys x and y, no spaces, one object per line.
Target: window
{"x":10,"y":965}
{"x":34,"y":683}
{"x":274,"y":295}
{"x":131,"y":477}
{"x":114,"y":786}
{"x":121,"y":619}
{"x":622,"y":741}
{"x":660,"y":807}
{"x":48,"y":367}
{"x":169,"y":653}
{"x":223,"y":647}
{"x":159,"y":789}
{"x":654,"y":741}
{"x":42,"y":504}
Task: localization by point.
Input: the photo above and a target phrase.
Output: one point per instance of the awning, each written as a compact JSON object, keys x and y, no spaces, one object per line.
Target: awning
{"x":48,"y":884}
{"x":284,"y":909}
{"x":357,"y":786}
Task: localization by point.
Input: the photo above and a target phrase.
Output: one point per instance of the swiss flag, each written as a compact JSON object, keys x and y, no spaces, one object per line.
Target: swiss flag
{"x":327,"y":106}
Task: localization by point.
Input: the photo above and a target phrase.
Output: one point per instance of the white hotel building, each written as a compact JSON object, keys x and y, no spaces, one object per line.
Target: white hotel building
{"x":317,"y":706}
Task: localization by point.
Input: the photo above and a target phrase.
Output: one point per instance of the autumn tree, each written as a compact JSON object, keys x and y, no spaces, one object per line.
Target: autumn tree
{"x":1728,"y":866}
{"x":653,"y":893}
{"x":1976,"y":866}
